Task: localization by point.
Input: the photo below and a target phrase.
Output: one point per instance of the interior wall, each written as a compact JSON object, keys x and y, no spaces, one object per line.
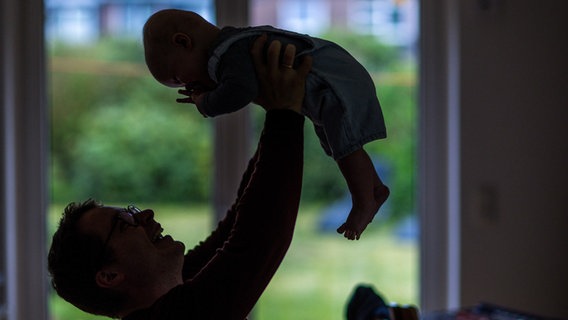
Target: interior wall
{"x":514,"y":154}
{"x":24,"y":136}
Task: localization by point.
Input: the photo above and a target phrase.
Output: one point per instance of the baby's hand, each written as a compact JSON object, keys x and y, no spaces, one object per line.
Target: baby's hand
{"x":197,"y":100}
{"x":194,"y":93}
{"x":190,"y":91}
{"x":186,"y":92}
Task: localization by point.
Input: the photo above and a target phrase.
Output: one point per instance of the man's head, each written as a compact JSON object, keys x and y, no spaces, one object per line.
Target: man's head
{"x":176,"y":45}
{"x":101,"y":257}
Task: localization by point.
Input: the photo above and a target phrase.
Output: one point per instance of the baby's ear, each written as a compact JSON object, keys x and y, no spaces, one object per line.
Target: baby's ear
{"x":181,"y":39}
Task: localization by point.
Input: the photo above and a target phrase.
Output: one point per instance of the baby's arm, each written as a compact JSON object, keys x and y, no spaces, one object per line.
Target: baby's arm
{"x":237,"y":87}
{"x":194,"y":94}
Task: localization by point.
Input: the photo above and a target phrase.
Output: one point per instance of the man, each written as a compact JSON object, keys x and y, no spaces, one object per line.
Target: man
{"x":115,"y":262}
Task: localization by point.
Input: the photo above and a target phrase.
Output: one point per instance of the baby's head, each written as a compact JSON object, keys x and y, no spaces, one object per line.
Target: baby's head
{"x":176,"y":43}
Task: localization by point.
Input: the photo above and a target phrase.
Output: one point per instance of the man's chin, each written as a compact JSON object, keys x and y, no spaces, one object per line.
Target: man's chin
{"x":167,"y":243}
{"x":181,"y":247}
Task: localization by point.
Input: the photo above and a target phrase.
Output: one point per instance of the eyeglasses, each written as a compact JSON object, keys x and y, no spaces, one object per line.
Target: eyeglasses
{"x":127,"y":216}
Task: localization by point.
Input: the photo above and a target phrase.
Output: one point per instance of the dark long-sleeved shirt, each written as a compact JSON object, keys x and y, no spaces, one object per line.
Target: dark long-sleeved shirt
{"x":226,"y":273}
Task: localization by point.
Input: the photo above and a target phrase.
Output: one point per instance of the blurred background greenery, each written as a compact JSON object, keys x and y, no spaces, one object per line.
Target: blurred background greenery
{"x":318,"y":275}
{"x":120,"y":137}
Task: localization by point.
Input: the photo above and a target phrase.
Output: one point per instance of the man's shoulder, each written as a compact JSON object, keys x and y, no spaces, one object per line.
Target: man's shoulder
{"x":175,"y":304}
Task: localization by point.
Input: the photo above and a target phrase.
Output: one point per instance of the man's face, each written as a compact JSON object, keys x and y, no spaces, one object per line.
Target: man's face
{"x":140,"y":252}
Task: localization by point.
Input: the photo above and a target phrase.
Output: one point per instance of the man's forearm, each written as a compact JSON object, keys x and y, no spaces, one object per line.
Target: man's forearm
{"x":266,"y":215}
{"x":201,"y":254}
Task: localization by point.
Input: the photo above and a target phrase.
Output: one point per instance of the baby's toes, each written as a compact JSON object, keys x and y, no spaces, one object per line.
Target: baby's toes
{"x":350,"y":234}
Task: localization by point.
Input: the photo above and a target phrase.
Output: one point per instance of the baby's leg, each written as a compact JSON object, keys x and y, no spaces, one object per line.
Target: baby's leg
{"x":368,"y":192}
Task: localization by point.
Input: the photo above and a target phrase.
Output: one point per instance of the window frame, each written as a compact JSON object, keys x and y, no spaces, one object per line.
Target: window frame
{"x":439,"y":156}
{"x":23,"y":191}
{"x":23,"y":196}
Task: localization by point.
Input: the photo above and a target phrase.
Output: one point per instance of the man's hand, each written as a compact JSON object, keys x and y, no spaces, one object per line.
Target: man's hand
{"x":280,"y":85}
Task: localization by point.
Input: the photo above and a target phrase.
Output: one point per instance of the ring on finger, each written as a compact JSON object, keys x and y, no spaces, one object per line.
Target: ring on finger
{"x":287,"y":66}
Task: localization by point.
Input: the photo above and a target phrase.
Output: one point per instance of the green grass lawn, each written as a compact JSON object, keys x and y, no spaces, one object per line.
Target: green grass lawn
{"x":318,"y":274}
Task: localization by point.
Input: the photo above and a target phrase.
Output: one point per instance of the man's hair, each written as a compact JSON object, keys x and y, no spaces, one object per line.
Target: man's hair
{"x":74,"y":259}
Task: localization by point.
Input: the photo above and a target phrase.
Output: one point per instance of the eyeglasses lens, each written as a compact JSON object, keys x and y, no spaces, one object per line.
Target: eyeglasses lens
{"x":128,"y":215}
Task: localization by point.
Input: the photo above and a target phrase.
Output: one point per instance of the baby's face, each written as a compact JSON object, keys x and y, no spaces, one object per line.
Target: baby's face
{"x":179,"y":70}
{"x":170,"y":71}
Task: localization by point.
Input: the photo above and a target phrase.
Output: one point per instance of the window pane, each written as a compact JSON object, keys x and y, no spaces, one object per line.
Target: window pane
{"x":321,"y":268}
{"x":117,"y":134}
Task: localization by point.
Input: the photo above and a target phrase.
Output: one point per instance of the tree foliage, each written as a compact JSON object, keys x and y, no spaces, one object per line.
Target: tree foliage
{"x":118,"y":135}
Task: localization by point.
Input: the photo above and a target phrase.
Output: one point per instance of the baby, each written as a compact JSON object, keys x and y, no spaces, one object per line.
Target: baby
{"x":214,"y":65}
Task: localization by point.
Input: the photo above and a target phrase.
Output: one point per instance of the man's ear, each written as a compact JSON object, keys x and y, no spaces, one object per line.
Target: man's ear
{"x":108,"y":278}
{"x":182,"y":39}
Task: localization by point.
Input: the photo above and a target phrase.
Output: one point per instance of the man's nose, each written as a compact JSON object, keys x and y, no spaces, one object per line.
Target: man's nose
{"x":145,"y":216}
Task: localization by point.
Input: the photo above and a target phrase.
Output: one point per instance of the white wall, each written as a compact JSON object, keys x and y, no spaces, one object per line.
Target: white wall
{"x":514,"y":154}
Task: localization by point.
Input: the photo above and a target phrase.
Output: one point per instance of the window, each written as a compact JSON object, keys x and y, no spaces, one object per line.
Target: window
{"x":321,"y":269}
{"x":394,"y":21}
{"x":307,"y":16}
{"x":18,"y":291}
{"x":77,"y":24}
{"x":114,"y":127}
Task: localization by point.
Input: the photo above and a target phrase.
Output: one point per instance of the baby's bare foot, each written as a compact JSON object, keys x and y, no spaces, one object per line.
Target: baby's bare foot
{"x":362,"y":214}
